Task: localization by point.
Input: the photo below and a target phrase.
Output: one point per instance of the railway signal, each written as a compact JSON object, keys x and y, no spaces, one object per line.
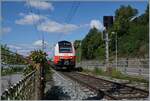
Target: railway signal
{"x":107,"y":22}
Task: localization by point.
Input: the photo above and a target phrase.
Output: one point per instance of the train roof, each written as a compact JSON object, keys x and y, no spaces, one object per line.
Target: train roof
{"x":64,"y":41}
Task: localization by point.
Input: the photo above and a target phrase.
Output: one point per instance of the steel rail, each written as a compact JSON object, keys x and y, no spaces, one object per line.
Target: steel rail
{"x":128,"y":89}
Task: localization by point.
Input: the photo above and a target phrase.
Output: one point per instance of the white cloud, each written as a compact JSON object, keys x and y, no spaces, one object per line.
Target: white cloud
{"x":6,"y":29}
{"x":22,"y":14}
{"x":29,"y":19}
{"x":24,"y":52}
{"x":23,"y":49}
{"x":40,"y":4}
{"x":39,"y":43}
{"x":14,"y":47}
{"x":97,"y":24}
{"x":52,"y":27}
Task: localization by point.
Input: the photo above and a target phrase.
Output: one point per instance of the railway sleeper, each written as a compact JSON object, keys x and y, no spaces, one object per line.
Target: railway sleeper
{"x":129,"y":96}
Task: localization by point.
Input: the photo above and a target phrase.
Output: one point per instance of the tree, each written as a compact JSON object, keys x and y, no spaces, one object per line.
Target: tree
{"x":77,"y":44}
{"x":91,"y":43}
{"x":123,"y":16}
{"x":132,"y":32}
{"x":144,"y":18}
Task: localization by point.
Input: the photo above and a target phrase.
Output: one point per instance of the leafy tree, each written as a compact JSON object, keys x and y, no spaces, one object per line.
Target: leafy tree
{"x":123,"y":16}
{"x":132,"y":34}
{"x":91,"y":43}
{"x":77,"y":44}
{"x":144,"y":18}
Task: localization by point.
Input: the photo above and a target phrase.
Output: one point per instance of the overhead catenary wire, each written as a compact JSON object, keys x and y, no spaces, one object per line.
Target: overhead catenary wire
{"x":74,"y":7}
{"x":43,"y":42}
{"x":34,"y":25}
{"x":67,"y":19}
{"x":71,"y":14}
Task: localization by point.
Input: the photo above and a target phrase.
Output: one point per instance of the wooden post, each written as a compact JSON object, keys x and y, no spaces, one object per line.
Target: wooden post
{"x":40,"y":82}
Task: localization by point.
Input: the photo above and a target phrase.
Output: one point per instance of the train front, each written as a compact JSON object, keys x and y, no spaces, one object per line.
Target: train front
{"x":64,"y":54}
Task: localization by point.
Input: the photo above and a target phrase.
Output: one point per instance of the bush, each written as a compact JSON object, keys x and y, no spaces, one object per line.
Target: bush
{"x":28,"y":70}
{"x":116,"y":74}
{"x":9,"y":71}
{"x":39,"y":56}
{"x":98,"y":71}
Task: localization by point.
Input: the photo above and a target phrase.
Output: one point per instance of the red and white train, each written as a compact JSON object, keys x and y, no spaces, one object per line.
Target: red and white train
{"x":64,"y":55}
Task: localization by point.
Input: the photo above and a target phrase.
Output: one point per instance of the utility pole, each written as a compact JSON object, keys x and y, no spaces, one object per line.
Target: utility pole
{"x":42,"y":41}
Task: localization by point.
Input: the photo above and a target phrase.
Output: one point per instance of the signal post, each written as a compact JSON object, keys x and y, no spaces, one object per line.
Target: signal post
{"x":107,"y":22}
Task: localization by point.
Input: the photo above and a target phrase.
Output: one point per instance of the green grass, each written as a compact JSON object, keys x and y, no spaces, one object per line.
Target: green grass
{"x":48,"y":75}
{"x":98,"y":71}
{"x":116,"y":74}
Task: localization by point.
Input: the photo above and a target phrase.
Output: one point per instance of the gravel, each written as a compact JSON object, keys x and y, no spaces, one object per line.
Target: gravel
{"x":65,"y":88}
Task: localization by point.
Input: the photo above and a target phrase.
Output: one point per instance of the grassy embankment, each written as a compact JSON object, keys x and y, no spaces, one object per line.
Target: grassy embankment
{"x":116,"y":74}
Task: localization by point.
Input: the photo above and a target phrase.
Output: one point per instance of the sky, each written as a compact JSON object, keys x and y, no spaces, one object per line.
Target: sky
{"x":25,"y":23}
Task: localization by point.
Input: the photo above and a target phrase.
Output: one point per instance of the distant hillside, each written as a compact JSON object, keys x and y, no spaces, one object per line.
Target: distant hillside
{"x":9,"y":57}
{"x":132,"y":36}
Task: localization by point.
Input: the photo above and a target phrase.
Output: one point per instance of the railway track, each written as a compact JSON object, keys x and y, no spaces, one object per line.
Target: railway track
{"x":108,"y":89}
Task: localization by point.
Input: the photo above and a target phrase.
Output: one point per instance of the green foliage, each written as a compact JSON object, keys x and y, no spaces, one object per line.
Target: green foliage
{"x":115,"y":74}
{"x":12,"y":70}
{"x":98,"y":71}
{"x":123,"y":16}
{"x":78,"y":54}
{"x":38,"y":56}
{"x":28,"y":70}
{"x":9,"y":57}
{"x":144,"y":18}
{"x":48,"y":74}
{"x":100,"y":53}
{"x":92,"y":44}
{"x":132,"y":35}
{"x":77,"y":44}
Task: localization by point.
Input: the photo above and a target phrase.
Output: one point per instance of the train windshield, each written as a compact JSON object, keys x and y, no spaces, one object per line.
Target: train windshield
{"x":65,"y":47}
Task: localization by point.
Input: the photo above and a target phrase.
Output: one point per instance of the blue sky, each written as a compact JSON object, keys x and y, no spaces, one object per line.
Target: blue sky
{"x":23,"y":34}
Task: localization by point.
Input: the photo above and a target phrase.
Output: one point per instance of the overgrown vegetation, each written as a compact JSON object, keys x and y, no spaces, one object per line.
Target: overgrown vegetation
{"x":9,"y":71}
{"x":132,"y":32}
{"x":38,"y":56}
{"x":132,"y":36}
{"x":115,"y":74}
{"x":10,"y":58}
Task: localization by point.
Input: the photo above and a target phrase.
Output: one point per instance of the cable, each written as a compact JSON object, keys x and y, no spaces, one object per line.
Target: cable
{"x":34,"y":25}
{"x":71,"y":14}
{"x":43,"y":43}
{"x":73,"y":10}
